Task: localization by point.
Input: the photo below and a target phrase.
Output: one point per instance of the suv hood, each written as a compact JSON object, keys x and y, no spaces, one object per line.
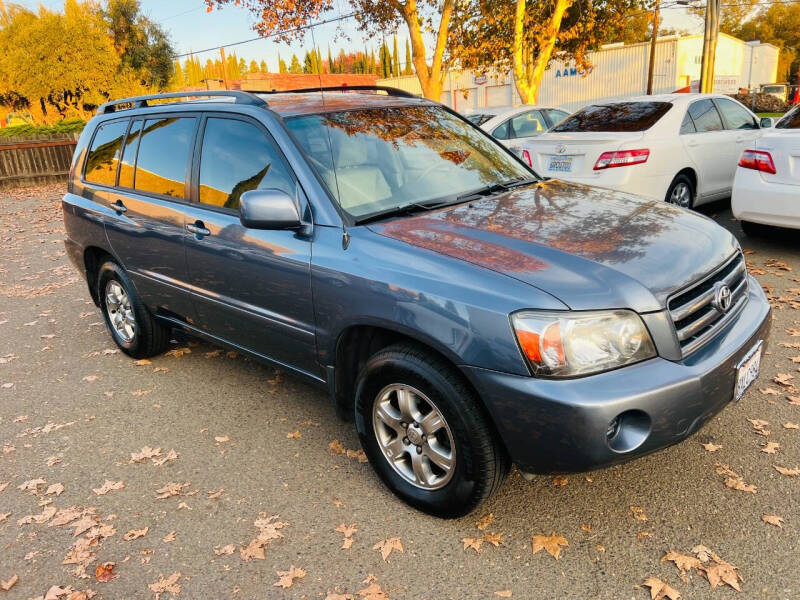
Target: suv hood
{"x":591,"y":248}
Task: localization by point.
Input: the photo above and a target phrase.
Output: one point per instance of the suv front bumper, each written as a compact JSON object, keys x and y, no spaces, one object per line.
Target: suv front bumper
{"x":551,"y":426}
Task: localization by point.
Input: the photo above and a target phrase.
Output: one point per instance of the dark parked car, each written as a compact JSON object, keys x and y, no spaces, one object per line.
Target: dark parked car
{"x":464,"y":312}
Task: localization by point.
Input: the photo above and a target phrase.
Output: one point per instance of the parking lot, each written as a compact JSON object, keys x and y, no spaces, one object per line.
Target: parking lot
{"x":202,"y":474}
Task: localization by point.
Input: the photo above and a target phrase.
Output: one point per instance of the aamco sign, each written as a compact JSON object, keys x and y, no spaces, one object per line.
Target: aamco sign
{"x":572,"y":72}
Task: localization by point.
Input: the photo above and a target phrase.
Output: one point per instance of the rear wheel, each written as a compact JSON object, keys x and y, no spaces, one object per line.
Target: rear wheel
{"x":134,"y":329}
{"x":681,"y":191}
{"x":425,"y":434}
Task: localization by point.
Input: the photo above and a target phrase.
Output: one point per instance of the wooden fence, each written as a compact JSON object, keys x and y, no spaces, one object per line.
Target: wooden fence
{"x":35,"y":160}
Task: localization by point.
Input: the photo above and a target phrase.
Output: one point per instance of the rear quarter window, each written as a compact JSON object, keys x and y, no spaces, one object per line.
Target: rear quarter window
{"x":103,"y":157}
{"x":619,"y":116}
{"x":790,"y":120}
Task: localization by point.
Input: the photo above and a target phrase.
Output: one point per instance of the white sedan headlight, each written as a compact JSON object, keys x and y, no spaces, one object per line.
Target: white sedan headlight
{"x":568,"y":344}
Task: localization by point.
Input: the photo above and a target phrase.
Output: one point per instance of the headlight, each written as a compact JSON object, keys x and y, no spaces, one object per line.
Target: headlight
{"x":568,"y":344}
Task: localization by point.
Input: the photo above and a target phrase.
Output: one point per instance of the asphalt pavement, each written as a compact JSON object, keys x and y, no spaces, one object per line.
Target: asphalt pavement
{"x":255,"y":476}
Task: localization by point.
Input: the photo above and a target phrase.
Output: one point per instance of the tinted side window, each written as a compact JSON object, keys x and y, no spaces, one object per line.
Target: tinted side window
{"x":618,"y":116}
{"x":790,"y":120}
{"x":705,"y":116}
{"x":528,"y":124}
{"x":736,"y":116}
{"x":103,"y":157}
{"x":688,"y":125}
{"x":501,"y":132}
{"x":164,"y":151}
{"x":555,"y":116}
{"x":129,"y":155}
{"x":237,"y":157}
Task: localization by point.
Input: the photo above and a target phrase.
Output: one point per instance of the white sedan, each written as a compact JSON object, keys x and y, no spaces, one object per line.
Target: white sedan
{"x":766,"y":189}
{"x":515,"y":124}
{"x":682,"y":148}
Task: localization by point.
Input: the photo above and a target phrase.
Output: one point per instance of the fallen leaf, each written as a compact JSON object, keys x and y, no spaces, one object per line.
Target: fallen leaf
{"x":784,"y":379}
{"x":769,"y":391}
{"x":170,"y":537}
{"x":551,"y":543}
{"x":178,"y":352}
{"x":711,"y":447}
{"x":788,"y":425}
{"x":221,"y":439}
{"x":495,"y":539}
{"x":91,"y":378}
{"x":143,"y":362}
{"x":168,"y":457}
{"x":560,"y":480}
{"x":484,"y":521}
{"x":135,"y":534}
{"x":736,"y":483}
{"x":788,"y":472}
{"x":336,"y":447}
{"x":215,"y":495}
{"x":108,"y":486}
{"x":212,"y":354}
{"x":144,"y":454}
{"x":386,"y":547}
{"x":359,"y":455}
{"x":287,"y":578}
{"x":56,"y":488}
{"x":660,"y":590}
{"x":770,"y":447}
{"x":474,"y":543}
{"x":683,"y":562}
{"x":503,"y":593}
{"x":9,"y":583}
{"x":294,"y":435}
{"x":105,"y":572}
{"x":171,"y":489}
{"x":759,"y":426}
{"x":772,"y":520}
{"x":225,"y":550}
{"x":32,"y":485}
{"x":170,"y":584}
{"x":638,"y":513}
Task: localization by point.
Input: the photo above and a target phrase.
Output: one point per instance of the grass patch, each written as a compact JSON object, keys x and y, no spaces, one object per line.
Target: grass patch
{"x":66,"y":126}
{"x":770,"y":114}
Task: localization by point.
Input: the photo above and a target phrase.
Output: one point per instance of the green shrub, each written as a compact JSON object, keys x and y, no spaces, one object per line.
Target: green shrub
{"x":66,"y":126}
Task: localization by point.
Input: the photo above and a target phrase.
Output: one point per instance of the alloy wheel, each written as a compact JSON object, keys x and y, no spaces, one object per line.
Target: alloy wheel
{"x":681,"y":195}
{"x":120,"y":311}
{"x":413,"y":436}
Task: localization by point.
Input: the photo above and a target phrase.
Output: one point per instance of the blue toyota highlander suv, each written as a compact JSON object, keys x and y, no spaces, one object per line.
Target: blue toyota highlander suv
{"x":464,"y":312}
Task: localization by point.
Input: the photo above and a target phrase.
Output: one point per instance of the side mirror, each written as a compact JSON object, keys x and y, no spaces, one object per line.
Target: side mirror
{"x":268,"y":209}
{"x":766,"y":122}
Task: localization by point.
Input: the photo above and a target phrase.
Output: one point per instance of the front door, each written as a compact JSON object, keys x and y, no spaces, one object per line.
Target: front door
{"x":742,"y":129}
{"x":148,"y":203}
{"x":253,"y":287}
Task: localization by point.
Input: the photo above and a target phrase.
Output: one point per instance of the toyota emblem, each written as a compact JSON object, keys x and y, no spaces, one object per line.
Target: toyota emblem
{"x":561,"y":148}
{"x":722,"y":297}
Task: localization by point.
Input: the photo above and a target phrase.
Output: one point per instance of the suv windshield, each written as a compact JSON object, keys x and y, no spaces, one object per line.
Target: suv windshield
{"x":620,"y":116}
{"x":790,"y":120}
{"x":379,"y":159}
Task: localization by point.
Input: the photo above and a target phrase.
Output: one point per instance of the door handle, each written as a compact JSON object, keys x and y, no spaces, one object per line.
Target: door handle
{"x":119,"y":207}
{"x":691,"y":142}
{"x":198,"y":228}
{"x":739,"y":138}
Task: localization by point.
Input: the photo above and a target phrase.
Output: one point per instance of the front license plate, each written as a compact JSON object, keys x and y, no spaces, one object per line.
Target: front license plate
{"x":562,"y":164}
{"x":747,"y":371}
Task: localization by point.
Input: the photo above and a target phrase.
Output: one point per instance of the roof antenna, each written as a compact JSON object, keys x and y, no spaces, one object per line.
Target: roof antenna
{"x":345,"y":234}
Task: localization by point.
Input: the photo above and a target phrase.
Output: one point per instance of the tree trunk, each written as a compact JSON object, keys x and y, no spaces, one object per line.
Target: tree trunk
{"x":431,"y":78}
{"x":530,"y":64}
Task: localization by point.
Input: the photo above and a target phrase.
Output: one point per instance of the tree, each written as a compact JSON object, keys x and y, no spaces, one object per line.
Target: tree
{"x":287,"y":17}
{"x":61,"y":65}
{"x":408,"y":70}
{"x":294,"y":66}
{"x":178,"y":81}
{"x":142,"y":44}
{"x":525,"y":37}
{"x":242,"y":66}
{"x":777,"y":24}
{"x":731,"y":15}
{"x":282,"y":65}
{"x":263,"y":67}
{"x":395,"y":60}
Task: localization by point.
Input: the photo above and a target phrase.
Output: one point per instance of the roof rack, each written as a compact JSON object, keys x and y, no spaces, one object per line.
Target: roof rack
{"x":390,"y":91}
{"x":239,"y":97}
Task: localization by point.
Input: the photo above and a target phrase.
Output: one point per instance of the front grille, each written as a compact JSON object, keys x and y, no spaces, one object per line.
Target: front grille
{"x":692,"y":309}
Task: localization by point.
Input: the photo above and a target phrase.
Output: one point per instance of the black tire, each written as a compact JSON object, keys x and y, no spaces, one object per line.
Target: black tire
{"x":754,"y":230}
{"x":481,"y":463}
{"x":150,"y":337}
{"x":681,"y":179}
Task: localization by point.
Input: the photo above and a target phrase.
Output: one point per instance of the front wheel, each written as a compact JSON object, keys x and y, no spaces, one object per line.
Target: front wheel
{"x":681,"y":192}
{"x":425,"y":434}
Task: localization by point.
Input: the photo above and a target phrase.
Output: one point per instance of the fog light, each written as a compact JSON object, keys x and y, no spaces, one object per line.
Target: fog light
{"x":628,"y":430}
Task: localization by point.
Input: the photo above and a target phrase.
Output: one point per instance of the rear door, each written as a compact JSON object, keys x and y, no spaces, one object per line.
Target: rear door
{"x":527,"y":125}
{"x":709,"y":146}
{"x":253,"y":287}
{"x":148,"y":195}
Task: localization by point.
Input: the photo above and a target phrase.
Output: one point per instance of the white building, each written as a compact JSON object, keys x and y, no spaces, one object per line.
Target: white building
{"x":618,"y":71}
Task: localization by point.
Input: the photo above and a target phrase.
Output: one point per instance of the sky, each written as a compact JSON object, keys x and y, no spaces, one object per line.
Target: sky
{"x":193,"y":29}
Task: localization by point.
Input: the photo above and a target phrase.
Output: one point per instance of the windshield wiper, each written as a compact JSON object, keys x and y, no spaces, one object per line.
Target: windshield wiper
{"x":397,"y":211}
{"x":494,"y":188}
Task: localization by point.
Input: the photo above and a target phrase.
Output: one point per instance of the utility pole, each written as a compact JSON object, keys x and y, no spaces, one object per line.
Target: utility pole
{"x":709,"y":46}
{"x":224,"y":67}
{"x":653,"y":41}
